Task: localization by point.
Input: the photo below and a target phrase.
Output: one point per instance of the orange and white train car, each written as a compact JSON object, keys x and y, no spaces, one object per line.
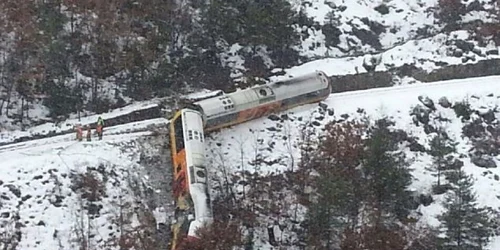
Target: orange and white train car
{"x":187,"y":128}
{"x":193,"y":207}
{"x":244,"y":105}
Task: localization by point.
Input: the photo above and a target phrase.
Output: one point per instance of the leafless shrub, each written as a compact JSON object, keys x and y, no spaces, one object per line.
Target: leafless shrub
{"x":216,"y":236}
{"x":89,"y":185}
{"x":10,"y":237}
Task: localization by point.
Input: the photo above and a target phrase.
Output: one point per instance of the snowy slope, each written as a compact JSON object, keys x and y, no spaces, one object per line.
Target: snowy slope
{"x":277,"y":140}
{"x":39,"y":203}
{"x":69,"y":124}
{"x":42,"y":206}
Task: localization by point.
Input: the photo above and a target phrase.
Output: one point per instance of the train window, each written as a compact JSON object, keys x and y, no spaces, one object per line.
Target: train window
{"x":179,"y":134}
{"x":201,"y":173}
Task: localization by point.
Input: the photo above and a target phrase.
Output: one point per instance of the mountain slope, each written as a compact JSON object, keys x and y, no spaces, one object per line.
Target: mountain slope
{"x":276,"y":140}
{"x":58,"y":193}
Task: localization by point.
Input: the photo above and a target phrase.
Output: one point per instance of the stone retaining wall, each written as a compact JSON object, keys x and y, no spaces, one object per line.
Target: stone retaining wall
{"x":386,"y":78}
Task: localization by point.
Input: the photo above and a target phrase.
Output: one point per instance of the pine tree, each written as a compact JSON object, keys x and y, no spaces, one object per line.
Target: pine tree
{"x":339,"y":192}
{"x":386,"y":173}
{"x":441,"y":146}
{"x":464,"y":224}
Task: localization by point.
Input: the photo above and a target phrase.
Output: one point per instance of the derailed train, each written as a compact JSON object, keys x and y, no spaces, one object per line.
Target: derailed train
{"x":187,"y":128}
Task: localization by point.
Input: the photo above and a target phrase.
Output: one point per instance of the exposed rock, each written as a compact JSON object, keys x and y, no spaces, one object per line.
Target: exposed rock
{"x":428,"y":102}
{"x":26,"y":197}
{"x":272,"y":129}
{"x":274,"y":117}
{"x":14,"y":190}
{"x":477,"y":51}
{"x":382,"y":9}
{"x":428,"y":129}
{"x":457,"y":53}
{"x":496,"y":177}
{"x":444,"y":102}
{"x":488,"y":116}
{"x":483,"y":161}
{"x":464,"y":45}
{"x":492,"y":52}
{"x":41,"y":223}
{"x":323,"y":105}
{"x":420,"y":115}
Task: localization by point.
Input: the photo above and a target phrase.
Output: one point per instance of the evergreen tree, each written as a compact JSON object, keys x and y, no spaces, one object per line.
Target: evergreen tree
{"x":386,"y":173}
{"x":441,"y":146}
{"x":339,"y":192}
{"x":465,"y":225}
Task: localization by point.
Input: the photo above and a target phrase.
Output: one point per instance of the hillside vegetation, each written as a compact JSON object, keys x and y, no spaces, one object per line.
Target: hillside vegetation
{"x":62,"y":57}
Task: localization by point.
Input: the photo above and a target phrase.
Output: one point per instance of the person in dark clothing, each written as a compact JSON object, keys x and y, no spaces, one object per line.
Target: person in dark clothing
{"x":89,"y":134}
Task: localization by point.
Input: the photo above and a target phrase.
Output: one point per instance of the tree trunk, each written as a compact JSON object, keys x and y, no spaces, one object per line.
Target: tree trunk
{"x":94,"y":93}
{"x":22,"y":113}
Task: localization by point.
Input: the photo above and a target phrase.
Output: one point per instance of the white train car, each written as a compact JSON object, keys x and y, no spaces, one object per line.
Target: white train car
{"x":244,"y":105}
{"x":191,"y":191}
{"x":187,"y":128}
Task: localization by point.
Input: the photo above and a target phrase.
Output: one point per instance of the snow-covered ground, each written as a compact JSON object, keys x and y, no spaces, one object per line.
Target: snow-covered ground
{"x":277,"y":140}
{"x":51,"y":127}
{"x":38,"y":188}
{"x":36,"y":182}
{"x":428,"y":54}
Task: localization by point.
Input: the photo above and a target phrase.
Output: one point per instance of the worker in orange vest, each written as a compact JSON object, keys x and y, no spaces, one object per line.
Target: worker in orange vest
{"x":79,"y":133}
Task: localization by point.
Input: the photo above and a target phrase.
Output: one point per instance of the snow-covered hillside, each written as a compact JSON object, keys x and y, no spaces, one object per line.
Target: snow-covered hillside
{"x":276,"y":140}
{"x":58,"y":193}
{"x":393,"y":33}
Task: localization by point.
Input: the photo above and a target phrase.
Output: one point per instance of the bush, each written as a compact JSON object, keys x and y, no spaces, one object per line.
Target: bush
{"x":462,"y":109}
{"x":89,"y":185}
{"x":450,"y":10}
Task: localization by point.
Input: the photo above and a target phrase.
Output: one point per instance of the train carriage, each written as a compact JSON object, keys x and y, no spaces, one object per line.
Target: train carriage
{"x":244,"y":105}
{"x":190,"y":187}
{"x":187,"y":128}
